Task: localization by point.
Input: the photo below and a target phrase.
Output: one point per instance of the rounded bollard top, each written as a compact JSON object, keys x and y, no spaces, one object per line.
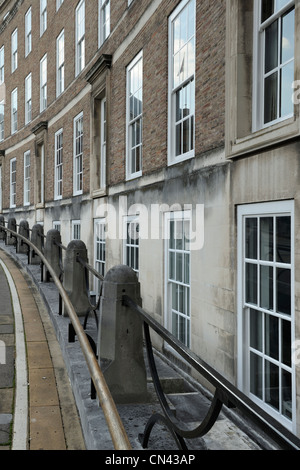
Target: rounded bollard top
{"x":76,"y":245}
{"x":24,"y":224}
{"x":121,"y":274}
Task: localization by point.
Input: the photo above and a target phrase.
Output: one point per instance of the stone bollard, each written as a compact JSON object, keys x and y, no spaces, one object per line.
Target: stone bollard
{"x":2,"y":224}
{"x":52,"y":254}
{"x":121,"y":338}
{"x":12,"y":225}
{"x":24,"y":231}
{"x":37,"y":238}
{"x":74,"y":277}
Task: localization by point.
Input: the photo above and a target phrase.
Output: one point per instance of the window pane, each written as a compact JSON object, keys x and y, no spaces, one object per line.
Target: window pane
{"x":266,"y":287}
{"x":272,"y":336}
{"x":256,"y":329}
{"x":271,"y":47}
{"x":172,"y":234}
{"x":256,"y":375}
{"x":272,"y":384}
{"x":283,"y":281}
{"x":270,"y":104}
{"x":286,"y":343}
{"x":267,"y":9}
{"x":179,"y":266}
{"x":251,"y":283}
{"x":266,"y":238}
{"x":288,"y":34}
{"x":286,"y":98}
{"x":286,"y":394}
{"x":283,"y":239}
{"x":251,"y":238}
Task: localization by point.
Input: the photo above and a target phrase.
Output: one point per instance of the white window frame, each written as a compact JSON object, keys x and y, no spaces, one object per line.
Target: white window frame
{"x":14,"y":111}
{"x":185,"y":81}
{"x":28,"y":98}
{"x":103,"y":139}
{"x":43,"y":83}
{"x":80,"y":37}
{"x":43,"y":16}
{"x":177,"y":217}
{"x":14,"y":50}
{"x":27,"y":178}
{"x":135,"y":67}
{"x":2,"y":65}
{"x":99,"y":250}
{"x":60,"y":63}
{"x":58,"y":170}
{"x":104,"y":21}
{"x":56,"y":225}
{"x":258,"y":67}
{"x":76,"y":230}
{"x":77,"y":158}
{"x":272,"y":209}
{"x":13,"y":183}
{"x":131,"y":246}
{"x":28,"y":31}
{"x":2,"y":109}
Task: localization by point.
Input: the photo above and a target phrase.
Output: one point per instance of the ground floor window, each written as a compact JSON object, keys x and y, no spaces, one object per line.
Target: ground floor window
{"x":131,"y":243}
{"x":100,"y":250}
{"x":266,"y":314}
{"x":178,"y":265}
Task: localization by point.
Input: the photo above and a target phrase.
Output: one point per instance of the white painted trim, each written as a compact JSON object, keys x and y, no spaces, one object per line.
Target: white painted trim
{"x":20,"y":426}
{"x":260,"y":209}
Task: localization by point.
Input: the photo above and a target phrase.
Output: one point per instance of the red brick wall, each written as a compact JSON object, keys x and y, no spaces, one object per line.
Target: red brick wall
{"x":153,"y":39}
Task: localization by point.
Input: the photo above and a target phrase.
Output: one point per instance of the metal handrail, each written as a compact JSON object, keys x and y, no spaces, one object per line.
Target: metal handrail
{"x":225,"y":392}
{"x":115,"y":425}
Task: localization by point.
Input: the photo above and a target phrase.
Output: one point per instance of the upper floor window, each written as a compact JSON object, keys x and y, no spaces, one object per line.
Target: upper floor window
{"x":43,"y":83}
{"x":43,"y":16}
{"x":274,"y":61}
{"x":1,"y":120}
{"x":103,"y":139}
{"x":182,"y":82}
{"x":80,"y":37}
{"x":135,"y":117}
{"x":28,"y":34}
{"x":60,"y":63}
{"x":13,"y":182}
{"x":26,"y":178}
{"x":58,"y":177}
{"x":104,"y":20}
{"x":14,"y":50}
{"x":14,"y":111}
{"x":2,"y":65}
{"x":28,"y":98}
{"x":78,"y":155}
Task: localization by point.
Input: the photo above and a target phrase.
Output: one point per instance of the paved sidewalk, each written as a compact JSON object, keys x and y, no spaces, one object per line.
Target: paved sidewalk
{"x":53,"y":423}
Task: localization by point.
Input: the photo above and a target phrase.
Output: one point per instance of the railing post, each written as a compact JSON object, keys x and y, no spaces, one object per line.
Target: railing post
{"x":52,"y":254}
{"x":24,"y":231}
{"x":74,"y":280}
{"x":11,"y":225}
{"x":37,"y":238}
{"x":2,"y":224}
{"x":121,"y":338}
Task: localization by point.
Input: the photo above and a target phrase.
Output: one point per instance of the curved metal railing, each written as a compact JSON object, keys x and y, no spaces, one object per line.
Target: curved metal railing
{"x":114,"y":423}
{"x":225,"y":393}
